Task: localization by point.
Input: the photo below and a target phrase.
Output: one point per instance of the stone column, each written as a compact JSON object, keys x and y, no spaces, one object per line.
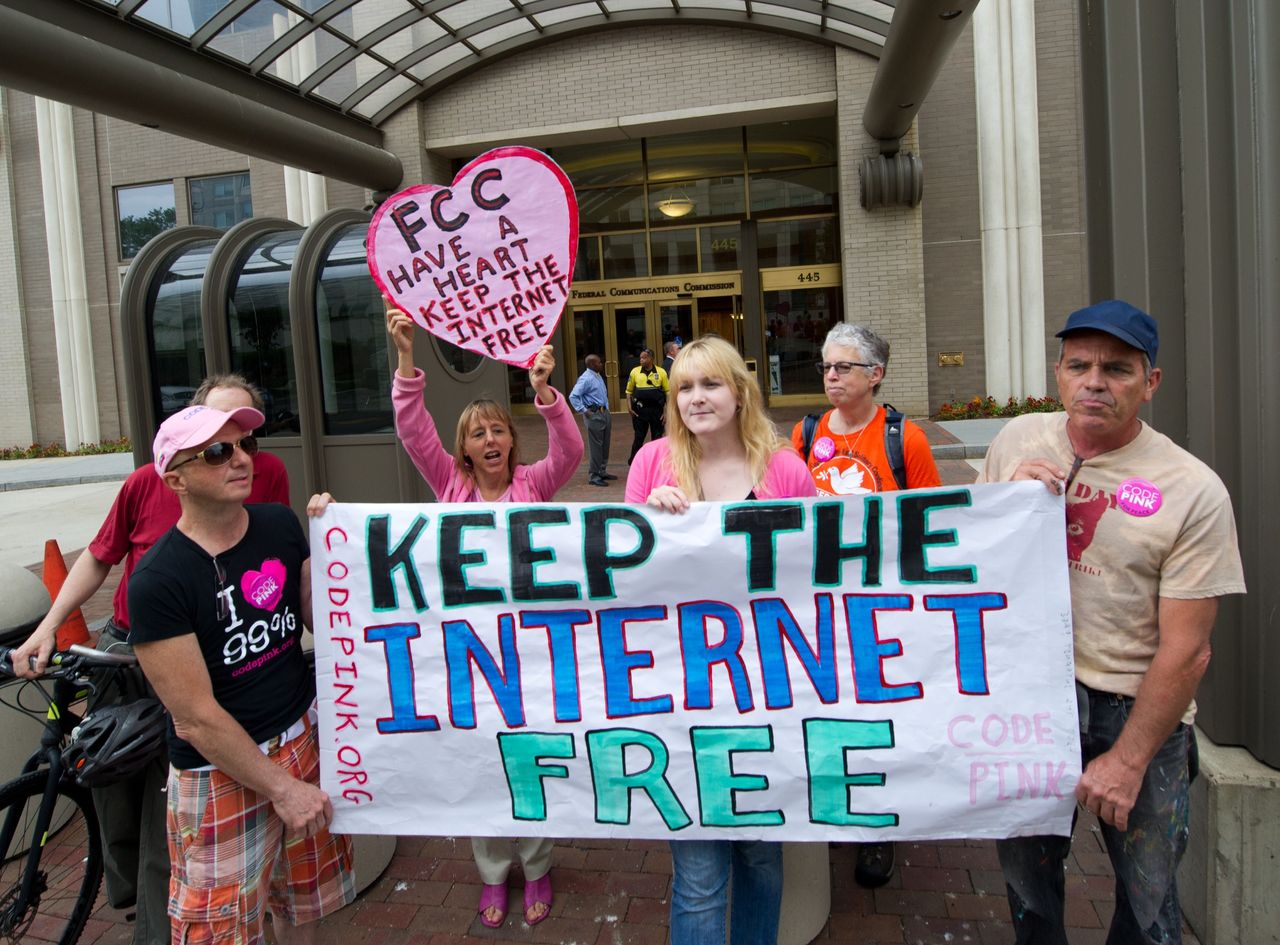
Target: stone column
{"x":70,"y":294}
{"x":1009,"y":184}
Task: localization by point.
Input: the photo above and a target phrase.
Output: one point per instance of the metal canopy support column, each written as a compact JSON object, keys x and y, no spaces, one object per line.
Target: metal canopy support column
{"x":93,"y":61}
{"x":920,"y":39}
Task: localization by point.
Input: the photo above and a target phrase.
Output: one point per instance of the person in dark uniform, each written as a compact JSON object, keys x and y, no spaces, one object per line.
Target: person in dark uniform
{"x":647,"y":395}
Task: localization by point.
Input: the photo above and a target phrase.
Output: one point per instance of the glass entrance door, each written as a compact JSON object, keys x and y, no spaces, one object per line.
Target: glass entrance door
{"x":676,"y":320}
{"x":588,"y":338}
{"x":618,"y":333}
{"x":631,"y":332}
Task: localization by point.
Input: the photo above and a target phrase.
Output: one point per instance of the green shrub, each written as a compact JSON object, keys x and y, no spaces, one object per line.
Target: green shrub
{"x":42,"y":450}
{"x":980,"y":408}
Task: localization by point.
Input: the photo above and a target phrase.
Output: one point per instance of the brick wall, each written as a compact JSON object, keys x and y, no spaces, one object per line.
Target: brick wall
{"x":883,"y":263}
{"x":589,"y":82}
{"x":584,"y":88}
{"x":1066,"y":272}
{"x":952,"y":236}
{"x":402,"y":136}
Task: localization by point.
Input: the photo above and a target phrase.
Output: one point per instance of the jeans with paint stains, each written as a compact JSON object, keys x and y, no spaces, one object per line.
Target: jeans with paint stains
{"x":1145,"y":857}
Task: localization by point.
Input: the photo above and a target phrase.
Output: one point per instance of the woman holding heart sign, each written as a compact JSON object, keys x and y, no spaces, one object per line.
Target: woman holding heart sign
{"x":485,"y":467}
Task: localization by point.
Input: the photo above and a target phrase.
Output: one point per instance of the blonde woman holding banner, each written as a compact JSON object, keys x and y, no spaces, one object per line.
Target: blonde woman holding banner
{"x":485,"y":467}
{"x":720,"y":446}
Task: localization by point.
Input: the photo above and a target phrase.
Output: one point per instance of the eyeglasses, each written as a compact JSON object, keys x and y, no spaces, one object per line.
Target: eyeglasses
{"x":219,"y":454}
{"x":841,"y":367}
{"x":221,"y":577}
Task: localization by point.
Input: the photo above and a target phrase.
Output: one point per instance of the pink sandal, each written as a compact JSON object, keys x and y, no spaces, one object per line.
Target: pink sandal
{"x":537,"y":892}
{"x":493,"y":897}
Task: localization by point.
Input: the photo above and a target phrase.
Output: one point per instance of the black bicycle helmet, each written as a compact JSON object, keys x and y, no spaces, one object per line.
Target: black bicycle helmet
{"x":115,"y":742}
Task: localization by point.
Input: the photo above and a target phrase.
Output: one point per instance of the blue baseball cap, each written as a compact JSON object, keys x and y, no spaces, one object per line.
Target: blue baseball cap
{"x":1131,"y":325}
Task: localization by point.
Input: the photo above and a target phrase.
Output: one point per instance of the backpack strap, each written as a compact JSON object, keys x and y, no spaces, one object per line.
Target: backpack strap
{"x":808,"y":431}
{"x":893,"y":420}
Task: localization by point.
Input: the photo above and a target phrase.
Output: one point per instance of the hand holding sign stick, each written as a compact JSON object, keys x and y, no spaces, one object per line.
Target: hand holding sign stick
{"x":486,"y":263}
{"x":544,"y":362}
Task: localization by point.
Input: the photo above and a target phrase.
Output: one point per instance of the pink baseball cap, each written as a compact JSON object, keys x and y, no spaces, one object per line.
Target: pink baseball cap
{"x":192,"y":426}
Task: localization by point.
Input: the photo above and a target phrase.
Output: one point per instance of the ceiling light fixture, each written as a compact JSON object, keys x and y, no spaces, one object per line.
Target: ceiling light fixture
{"x":676,"y":206}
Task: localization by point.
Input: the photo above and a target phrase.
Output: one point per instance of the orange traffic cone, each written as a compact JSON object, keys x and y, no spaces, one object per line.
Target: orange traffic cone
{"x":73,"y":629}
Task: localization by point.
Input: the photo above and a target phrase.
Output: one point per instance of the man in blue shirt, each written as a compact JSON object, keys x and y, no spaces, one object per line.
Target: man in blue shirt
{"x":590,"y":399}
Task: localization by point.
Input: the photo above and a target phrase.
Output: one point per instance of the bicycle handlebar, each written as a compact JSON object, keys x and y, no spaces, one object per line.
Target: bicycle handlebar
{"x":70,"y":661}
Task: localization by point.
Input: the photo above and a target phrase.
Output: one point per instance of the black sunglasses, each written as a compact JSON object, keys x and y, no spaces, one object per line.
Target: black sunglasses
{"x":219,"y":454}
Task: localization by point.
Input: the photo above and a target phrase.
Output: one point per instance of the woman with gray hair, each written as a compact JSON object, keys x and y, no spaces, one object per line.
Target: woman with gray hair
{"x":859,"y":447}
{"x":851,"y":447}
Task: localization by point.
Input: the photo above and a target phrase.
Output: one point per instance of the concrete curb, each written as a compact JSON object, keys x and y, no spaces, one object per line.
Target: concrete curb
{"x":19,"y":485}
{"x":960,"y":451}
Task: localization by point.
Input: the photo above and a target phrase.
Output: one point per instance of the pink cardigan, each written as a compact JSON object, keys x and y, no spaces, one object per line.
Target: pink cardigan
{"x":538,"y":482}
{"x":786,"y":477}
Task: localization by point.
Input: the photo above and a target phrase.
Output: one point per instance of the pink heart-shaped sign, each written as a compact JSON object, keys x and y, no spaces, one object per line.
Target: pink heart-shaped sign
{"x":485,"y":263}
{"x":263,"y":588}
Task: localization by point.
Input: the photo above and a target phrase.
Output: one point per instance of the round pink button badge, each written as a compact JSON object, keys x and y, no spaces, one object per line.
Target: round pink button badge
{"x":1139,"y":497}
{"x":824,"y":449}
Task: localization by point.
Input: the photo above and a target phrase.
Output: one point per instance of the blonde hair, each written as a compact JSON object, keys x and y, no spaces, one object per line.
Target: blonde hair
{"x":484,"y":411}
{"x":715,"y":357}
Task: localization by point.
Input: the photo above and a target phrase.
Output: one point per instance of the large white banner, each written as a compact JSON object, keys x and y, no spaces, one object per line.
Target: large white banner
{"x":888,"y":666}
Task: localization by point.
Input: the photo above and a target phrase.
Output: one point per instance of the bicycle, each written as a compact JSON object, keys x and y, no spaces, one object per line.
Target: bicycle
{"x":50,"y":847}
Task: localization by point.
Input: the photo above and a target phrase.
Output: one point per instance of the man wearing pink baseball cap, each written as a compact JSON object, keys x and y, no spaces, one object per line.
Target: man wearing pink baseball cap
{"x":131,"y":812}
{"x":218,"y":608}
{"x":195,"y":424}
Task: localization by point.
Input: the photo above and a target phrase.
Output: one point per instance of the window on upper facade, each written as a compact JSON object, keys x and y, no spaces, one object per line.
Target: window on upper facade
{"x":143,"y":211}
{"x":221,"y":201}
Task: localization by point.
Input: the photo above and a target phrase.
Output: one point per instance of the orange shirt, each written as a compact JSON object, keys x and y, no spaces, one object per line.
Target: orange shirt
{"x":856,"y":463}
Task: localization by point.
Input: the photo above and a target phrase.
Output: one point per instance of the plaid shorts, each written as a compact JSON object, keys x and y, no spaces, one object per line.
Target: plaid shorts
{"x":230,"y":856}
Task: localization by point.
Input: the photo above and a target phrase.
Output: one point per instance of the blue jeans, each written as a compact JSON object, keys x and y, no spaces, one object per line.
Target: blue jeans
{"x":700,"y":891}
{"x":1145,"y":857}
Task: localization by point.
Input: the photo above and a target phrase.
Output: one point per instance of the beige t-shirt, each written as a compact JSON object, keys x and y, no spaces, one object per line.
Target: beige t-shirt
{"x":1145,"y":521}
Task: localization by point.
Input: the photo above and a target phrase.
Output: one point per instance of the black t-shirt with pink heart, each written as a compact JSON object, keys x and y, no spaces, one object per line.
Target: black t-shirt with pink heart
{"x":244,"y":606}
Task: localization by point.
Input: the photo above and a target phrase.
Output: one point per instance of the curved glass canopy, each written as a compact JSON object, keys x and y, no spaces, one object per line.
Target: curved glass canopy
{"x":369,"y":58}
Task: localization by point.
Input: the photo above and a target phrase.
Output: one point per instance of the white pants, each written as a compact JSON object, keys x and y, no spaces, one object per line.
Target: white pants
{"x":495,"y":856}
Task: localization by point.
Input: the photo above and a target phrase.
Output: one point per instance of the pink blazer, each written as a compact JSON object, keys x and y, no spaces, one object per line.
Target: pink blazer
{"x":786,"y":477}
{"x":536,"y":482}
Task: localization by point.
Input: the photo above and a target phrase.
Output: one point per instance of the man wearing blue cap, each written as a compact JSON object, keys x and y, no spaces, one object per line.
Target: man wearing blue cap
{"x":1151,"y":546}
